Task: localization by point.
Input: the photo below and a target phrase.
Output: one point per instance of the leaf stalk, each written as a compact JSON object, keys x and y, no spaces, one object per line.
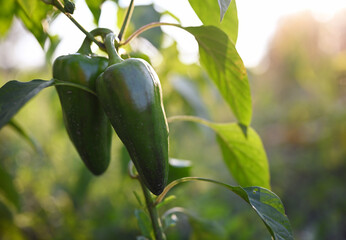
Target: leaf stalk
{"x":145,"y":28}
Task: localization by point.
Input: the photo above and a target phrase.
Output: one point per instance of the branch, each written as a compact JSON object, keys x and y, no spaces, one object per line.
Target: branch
{"x":60,"y":6}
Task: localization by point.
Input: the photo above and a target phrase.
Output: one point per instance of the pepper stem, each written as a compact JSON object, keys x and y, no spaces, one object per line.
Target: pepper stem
{"x":85,"y":48}
{"x":112,"y":53}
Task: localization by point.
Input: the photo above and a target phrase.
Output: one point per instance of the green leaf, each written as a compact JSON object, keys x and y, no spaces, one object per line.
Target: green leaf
{"x":244,"y":156}
{"x":6,"y":16}
{"x":221,"y":60}
{"x":14,"y":95}
{"x":270,"y":209}
{"x":53,"y":44}
{"x":7,"y":188}
{"x":166,"y":12}
{"x":169,"y":219}
{"x":203,"y":229}
{"x":141,"y":238}
{"x":124,"y":159}
{"x":143,"y":15}
{"x":266,"y":204}
{"x":209,"y":13}
{"x":190,"y":93}
{"x":144,"y":223}
{"x":242,"y":151}
{"x":166,"y":201}
{"x":33,"y":13}
{"x":79,"y":189}
{"x":26,"y":136}
{"x":95,"y":8}
{"x":5,"y":213}
{"x":178,"y":169}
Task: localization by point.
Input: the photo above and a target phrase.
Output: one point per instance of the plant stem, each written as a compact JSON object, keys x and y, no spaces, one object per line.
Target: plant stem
{"x":155,"y":220}
{"x":126,"y":20}
{"x":147,"y":27}
{"x":60,"y":6}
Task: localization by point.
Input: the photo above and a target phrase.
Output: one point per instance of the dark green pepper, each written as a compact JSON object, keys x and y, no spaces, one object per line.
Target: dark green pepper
{"x":86,"y":123}
{"x":130,"y":93}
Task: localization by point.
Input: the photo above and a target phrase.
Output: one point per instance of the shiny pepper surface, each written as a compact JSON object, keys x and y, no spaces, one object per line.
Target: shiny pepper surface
{"x":86,"y":123}
{"x":130,"y":93}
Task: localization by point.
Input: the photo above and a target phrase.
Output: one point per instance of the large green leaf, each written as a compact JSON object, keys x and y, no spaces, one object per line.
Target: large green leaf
{"x":266,"y":204}
{"x":212,"y":12}
{"x":221,"y":60}
{"x":7,"y":188}
{"x":6,"y":16}
{"x":244,"y":155}
{"x":242,"y":150}
{"x":14,"y":94}
{"x":95,"y":8}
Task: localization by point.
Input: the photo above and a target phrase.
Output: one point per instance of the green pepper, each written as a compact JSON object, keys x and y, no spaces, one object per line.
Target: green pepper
{"x":86,"y":123}
{"x":130,"y":93}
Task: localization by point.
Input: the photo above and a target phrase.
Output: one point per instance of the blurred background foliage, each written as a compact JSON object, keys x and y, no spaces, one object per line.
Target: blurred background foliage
{"x":299,"y":98}
{"x":300,"y":112}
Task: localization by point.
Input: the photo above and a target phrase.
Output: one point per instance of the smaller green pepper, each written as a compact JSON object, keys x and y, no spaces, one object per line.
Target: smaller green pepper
{"x":86,"y":123}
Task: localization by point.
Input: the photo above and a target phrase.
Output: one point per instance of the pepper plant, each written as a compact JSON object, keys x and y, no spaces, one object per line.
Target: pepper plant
{"x":124,"y":91}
